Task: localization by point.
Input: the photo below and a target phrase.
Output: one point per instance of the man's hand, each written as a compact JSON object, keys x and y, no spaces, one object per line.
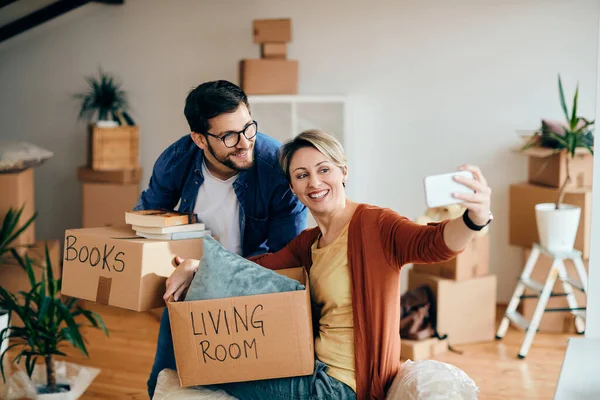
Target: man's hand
{"x":181,"y":278}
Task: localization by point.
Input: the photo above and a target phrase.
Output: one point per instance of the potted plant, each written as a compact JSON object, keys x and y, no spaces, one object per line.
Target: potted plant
{"x":48,"y":321}
{"x":104,"y":100}
{"x":113,"y":138}
{"x":558,"y":222}
{"x":8,"y":233}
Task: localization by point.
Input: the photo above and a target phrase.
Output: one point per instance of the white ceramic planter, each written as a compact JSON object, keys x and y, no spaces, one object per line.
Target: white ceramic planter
{"x":107,"y":124}
{"x":557,"y":228}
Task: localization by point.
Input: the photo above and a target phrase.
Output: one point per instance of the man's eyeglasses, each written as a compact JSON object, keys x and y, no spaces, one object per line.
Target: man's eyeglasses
{"x":231,"y":139}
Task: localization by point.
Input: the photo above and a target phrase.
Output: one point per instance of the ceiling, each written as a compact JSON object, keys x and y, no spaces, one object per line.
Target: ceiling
{"x":18,"y":16}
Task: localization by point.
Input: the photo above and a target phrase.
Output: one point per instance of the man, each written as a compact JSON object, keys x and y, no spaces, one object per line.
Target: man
{"x":227,"y":173}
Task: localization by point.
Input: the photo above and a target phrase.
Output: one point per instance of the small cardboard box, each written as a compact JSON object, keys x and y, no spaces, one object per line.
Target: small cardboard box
{"x":113,"y":266}
{"x":12,"y":276}
{"x":272,"y":30}
{"x":273,"y":50}
{"x":546,"y":167}
{"x":105,"y":204}
{"x":466,"y":310}
{"x":16,"y":191}
{"x":552,"y":321}
{"x":112,"y":149}
{"x":474,"y":261}
{"x":269,"y":76}
{"x":244,"y":338}
{"x":523,"y":226}
{"x":123,"y":176}
{"x":416,"y":350}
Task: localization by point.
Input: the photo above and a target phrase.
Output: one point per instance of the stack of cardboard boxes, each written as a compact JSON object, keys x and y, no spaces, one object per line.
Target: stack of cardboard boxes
{"x":111,"y":179}
{"x":465,"y":294}
{"x":546,"y":172}
{"x":273,"y":73}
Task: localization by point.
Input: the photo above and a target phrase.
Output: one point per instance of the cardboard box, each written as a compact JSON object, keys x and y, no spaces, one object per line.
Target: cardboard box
{"x":272,"y":30}
{"x":545,"y":167}
{"x":426,"y":349}
{"x":552,"y":321}
{"x":269,"y":76}
{"x":114,"y":267}
{"x":112,"y":149}
{"x":105,"y":204}
{"x":17,"y":190}
{"x":474,"y":261}
{"x":259,"y":337}
{"x":466,"y":310}
{"x":14,"y":278}
{"x":523,"y":226}
{"x":273,"y":50}
{"x":123,"y":176}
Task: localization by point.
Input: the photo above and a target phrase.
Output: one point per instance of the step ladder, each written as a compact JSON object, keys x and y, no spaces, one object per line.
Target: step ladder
{"x":543,"y":293}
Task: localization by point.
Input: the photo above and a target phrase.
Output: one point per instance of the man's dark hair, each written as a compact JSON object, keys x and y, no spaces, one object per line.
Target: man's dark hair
{"x":211,"y":99}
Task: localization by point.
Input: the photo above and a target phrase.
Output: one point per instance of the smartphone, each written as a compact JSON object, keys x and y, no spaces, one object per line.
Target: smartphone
{"x":439,"y":189}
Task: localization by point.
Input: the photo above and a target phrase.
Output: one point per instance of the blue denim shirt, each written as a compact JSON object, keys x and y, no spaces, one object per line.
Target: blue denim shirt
{"x":270,"y":214}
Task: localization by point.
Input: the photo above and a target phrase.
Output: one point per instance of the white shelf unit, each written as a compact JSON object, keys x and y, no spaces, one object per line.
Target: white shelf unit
{"x":285,"y":116}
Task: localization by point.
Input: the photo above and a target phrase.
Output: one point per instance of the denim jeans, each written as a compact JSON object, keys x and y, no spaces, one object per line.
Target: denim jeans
{"x":165,"y":355}
{"x":318,"y":386}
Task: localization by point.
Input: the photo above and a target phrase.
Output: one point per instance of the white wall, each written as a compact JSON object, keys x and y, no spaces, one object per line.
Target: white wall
{"x":437,"y":83}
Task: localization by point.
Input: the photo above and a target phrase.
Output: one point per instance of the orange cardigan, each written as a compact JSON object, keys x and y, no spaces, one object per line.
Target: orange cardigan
{"x":380,"y":242}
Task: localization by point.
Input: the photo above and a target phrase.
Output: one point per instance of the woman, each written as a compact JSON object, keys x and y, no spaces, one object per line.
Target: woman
{"x":354,"y":258}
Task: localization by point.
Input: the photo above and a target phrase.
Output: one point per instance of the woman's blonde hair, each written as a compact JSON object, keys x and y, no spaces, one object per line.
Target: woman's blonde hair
{"x":325,"y":142}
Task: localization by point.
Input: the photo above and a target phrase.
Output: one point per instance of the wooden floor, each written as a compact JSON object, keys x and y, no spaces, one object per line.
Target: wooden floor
{"x":125,"y":359}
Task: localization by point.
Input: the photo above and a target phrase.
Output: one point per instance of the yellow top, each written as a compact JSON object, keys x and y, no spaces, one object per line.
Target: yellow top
{"x":330,"y":285}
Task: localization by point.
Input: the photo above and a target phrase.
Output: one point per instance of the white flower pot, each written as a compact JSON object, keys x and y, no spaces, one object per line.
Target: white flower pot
{"x":107,"y":124}
{"x":557,"y":228}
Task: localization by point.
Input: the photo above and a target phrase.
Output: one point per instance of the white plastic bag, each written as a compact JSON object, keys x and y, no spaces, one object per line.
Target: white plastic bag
{"x":432,"y":380}
{"x":19,"y":385}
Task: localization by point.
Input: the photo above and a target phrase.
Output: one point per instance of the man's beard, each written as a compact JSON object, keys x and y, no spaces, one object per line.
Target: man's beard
{"x":228,"y":162}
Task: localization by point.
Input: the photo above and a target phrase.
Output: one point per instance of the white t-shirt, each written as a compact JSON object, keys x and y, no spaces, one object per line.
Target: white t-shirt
{"x":218,"y":208}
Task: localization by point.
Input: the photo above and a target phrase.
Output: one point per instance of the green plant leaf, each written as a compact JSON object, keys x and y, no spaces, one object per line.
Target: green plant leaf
{"x":559,"y":139}
{"x":70,"y":303}
{"x":43,"y":311}
{"x":8,"y":301}
{"x":4,"y":353}
{"x":18,"y":232}
{"x":73,"y":329}
{"x":9,"y":223}
{"x":30,"y":364}
{"x":94,"y":318}
{"x":574,"y":120}
{"x":584,"y":127}
{"x":9,"y":231}
{"x":562,"y":99}
{"x":49,"y":272}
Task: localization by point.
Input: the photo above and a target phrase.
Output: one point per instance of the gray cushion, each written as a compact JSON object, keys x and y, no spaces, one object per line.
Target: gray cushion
{"x":225,"y":274}
{"x":17,"y":156}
